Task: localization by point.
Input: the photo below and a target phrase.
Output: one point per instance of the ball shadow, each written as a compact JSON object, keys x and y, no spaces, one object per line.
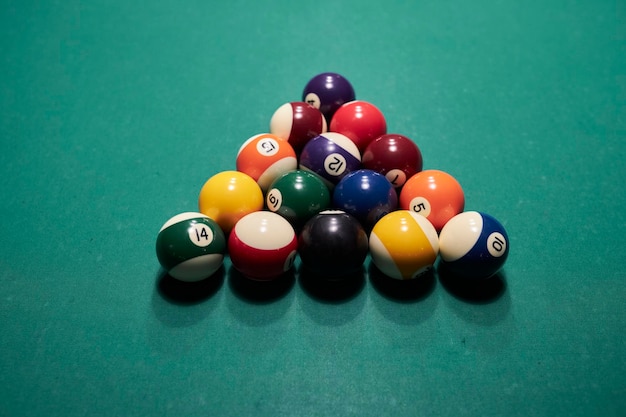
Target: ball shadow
{"x":336,"y":290}
{"x":476,"y":291}
{"x":178,"y":304}
{"x":260,"y":292}
{"x":187,"y":293}
{"x":403,"y":302}
{"x":410,"y":290}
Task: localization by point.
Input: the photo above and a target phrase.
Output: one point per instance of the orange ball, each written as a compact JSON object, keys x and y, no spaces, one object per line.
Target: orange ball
{"x":228,"y":196}
{"x":266,"y":157}
{"x":434,"y":194}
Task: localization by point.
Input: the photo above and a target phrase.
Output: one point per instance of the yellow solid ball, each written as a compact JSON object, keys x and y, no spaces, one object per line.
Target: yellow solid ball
{"x":228,"y":196}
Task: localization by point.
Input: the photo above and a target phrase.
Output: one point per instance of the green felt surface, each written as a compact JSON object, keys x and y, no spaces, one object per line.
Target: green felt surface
{"x":114,"y":113}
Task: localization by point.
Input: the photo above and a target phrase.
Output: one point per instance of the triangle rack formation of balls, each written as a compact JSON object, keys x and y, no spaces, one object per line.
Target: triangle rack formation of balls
{"x":330,"y":185}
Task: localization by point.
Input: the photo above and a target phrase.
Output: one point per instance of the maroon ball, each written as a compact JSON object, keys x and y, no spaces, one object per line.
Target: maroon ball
{"x":297,"y":122}
{"x":395,"y":156}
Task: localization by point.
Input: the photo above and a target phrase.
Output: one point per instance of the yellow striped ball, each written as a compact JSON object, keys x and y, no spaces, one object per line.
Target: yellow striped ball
{"x":404,"y":244}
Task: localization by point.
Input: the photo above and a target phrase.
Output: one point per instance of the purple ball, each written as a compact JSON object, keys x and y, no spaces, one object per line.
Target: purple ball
{"x":331,"y":156}
{"x":327,"y":92}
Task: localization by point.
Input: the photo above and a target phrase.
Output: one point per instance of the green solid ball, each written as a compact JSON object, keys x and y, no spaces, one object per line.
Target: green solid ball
{"x":191,"y":246}
{"x":297,"y":196}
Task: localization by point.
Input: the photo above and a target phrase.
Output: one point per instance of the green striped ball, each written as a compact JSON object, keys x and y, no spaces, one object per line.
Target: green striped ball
{"x":191,"y":246}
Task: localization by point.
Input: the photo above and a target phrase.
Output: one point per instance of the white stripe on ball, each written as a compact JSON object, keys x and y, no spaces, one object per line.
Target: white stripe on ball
{"x":459,"y":235}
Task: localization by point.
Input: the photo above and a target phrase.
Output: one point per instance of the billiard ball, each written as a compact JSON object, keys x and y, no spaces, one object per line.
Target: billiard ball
{"x":297,"y":122}
{"x":228,"y":196}
{"x":262,"y":245}
{"x":332,"y":245}
{"x":403,"y":245}
{"x":327,"y":92}
{"x":434,"y":194}
{"x":265,"y":157}
{"x":190,"y":246}
{"x":297,"y":196}
{"x":473,"y":245}
{"x":395,"y":156}
{"x":365,"y":194}
{"x":330,"y":155}
{"x":359,"y":120}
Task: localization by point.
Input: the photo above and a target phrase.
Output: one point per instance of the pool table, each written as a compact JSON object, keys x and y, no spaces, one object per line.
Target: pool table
{"x":114,"y":113}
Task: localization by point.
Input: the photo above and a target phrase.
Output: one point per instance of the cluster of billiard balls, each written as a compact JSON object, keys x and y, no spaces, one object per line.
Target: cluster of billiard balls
{"x":330,"y":185}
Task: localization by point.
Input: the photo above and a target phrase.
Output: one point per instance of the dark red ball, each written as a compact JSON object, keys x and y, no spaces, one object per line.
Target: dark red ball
{"x":297,"y":122}
{"x":395,"y":156}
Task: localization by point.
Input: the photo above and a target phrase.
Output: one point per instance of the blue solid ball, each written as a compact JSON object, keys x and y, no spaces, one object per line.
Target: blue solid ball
{"x":365,"y":194}
{"x":473,"y":245}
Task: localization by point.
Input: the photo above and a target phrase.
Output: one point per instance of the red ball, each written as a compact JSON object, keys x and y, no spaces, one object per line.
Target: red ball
{"x":360,"y":121}
{"x":395,"y":156}
{"x":297,"y":122}
{"x":262,"y":245}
